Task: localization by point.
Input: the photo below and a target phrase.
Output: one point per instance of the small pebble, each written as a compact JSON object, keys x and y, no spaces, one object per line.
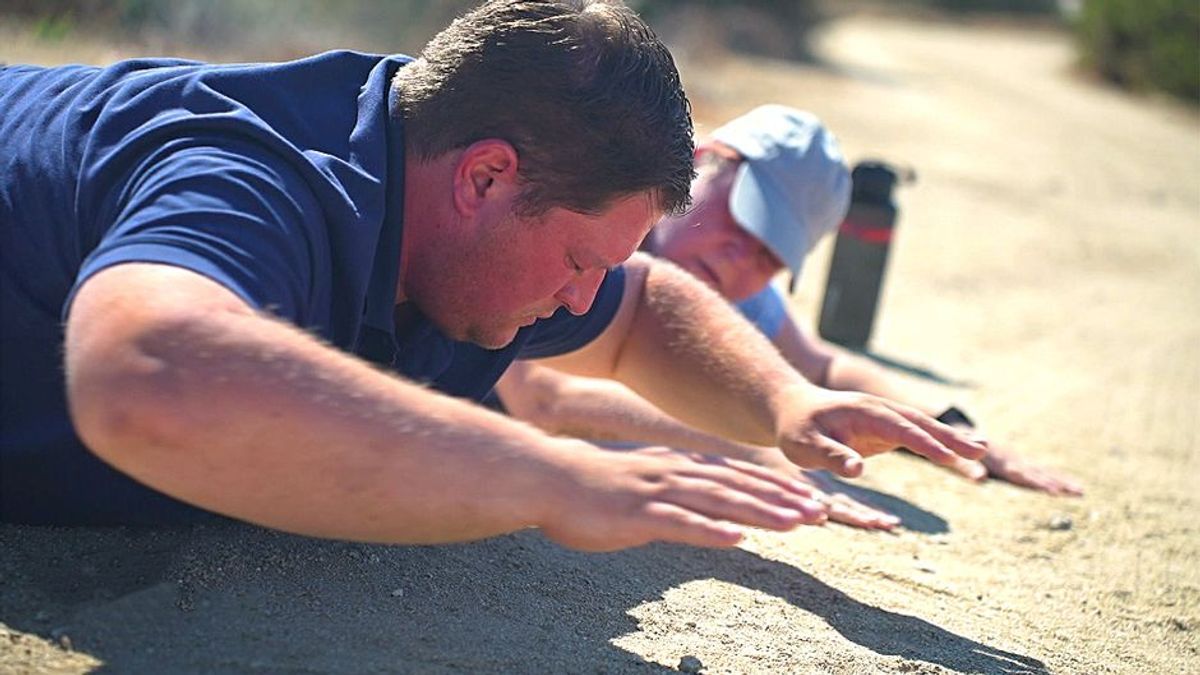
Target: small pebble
{"x":1182,"y":624}
{"x":690,"y":664}
{"x":1061,"y":523}
{"x":398,"y":592}
{"x":926,"y":568}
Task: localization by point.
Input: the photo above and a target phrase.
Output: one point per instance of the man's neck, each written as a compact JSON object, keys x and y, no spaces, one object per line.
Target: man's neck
{"x":424,"y":183}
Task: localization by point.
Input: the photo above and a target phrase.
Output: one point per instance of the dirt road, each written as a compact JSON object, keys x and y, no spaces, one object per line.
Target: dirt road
{"x":1047,"y":258}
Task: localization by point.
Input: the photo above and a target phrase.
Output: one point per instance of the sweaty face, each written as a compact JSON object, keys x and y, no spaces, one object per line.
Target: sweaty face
{"x":518,"y":270}
{"x":707,"y":242}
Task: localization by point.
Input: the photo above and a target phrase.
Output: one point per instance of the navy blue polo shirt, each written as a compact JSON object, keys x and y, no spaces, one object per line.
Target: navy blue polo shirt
{"x":283,"y":182}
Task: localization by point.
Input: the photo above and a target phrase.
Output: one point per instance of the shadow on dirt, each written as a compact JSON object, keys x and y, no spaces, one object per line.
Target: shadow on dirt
{"x":912,"y":517}
{"x":229,"y":597}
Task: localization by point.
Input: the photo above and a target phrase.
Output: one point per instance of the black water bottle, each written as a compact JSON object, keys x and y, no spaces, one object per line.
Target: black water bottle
{"x":860,"y":255}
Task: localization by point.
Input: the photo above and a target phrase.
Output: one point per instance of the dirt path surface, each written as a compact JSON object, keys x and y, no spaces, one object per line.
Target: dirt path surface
{"x":1047,"y":259}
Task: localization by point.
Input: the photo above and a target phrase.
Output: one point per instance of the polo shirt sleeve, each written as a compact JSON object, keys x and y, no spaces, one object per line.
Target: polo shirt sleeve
{"x":564,"y":332}
{"x":766,"y":309}
{"x":235,"y":213}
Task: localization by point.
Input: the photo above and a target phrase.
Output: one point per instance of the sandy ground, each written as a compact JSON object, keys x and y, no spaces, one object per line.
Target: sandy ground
{"x":1046,"y":262}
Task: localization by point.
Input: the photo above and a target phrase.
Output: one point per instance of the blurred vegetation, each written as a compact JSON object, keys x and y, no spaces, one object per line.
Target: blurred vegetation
{"x":773,"y":28}
{"x":249,"y":28}
{"x":996,"y":6}
{"x":1144,"y":44}
{"x":1136,"y":43}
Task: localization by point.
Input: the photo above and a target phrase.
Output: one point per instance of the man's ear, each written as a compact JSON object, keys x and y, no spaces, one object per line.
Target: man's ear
{"x":486,"y":173}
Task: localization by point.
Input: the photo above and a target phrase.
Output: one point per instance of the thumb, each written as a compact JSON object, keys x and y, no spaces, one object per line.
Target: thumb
{"x":968,"y":468}
{"x":822,"y":452}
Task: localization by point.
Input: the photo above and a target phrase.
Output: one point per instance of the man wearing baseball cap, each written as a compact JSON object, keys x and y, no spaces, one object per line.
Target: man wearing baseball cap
{"x":770,"y":185}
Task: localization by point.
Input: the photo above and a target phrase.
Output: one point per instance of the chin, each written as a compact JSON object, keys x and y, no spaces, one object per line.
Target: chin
{"x":495,"y":338}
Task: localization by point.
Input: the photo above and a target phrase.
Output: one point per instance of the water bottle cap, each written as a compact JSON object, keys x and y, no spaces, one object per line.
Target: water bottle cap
{"x":874,"y":180}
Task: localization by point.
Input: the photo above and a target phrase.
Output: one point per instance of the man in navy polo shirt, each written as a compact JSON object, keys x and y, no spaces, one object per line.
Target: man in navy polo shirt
{"x":208,"y":271}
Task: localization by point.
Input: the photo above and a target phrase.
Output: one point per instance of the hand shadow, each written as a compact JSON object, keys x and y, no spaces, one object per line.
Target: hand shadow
{"x":912,"y":517}
{"x":231,"y":597}
{"x":912,"y":369}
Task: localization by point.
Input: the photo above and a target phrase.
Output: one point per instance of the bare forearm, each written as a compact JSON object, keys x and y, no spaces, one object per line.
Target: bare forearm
{"x":602,"y":410}
{"x":692,"y":355}
{"x":254,"y":419}
{"x":829,"y":366}
{"x":848,"y":372}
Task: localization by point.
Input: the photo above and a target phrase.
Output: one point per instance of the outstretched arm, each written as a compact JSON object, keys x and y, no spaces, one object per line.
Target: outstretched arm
{"x":175,"y":381}
{"x":679,"y":345}
{"x":829,"y":366}
{"x":604,"y":410}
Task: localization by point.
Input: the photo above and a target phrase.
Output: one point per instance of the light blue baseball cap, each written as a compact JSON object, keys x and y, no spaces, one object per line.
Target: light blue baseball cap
{"x":793,"y":186}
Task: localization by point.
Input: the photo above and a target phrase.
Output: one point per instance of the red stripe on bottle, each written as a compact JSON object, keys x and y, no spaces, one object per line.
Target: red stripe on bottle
{"x":865,"y":233}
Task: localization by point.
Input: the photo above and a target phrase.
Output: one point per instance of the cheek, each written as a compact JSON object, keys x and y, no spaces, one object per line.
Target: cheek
{"x":748,"y":283}
{"x":529,"y":281}
{"x":691,"y":245}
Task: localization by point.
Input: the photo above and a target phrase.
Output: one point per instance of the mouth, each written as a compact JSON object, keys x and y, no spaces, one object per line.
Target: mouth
{"x":534,"y":318}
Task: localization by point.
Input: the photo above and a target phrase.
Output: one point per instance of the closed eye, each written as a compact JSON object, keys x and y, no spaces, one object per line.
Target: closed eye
{"x":573,"y":265}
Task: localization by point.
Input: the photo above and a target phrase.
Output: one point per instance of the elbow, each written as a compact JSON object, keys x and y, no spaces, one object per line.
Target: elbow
{"x":123,"y":400}
{"x":118,"y":413}
{"x":538,"y":403}
{"x":540,"y":411}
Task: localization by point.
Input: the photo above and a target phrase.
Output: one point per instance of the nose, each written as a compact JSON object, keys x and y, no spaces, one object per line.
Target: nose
{"x":580,"y":292}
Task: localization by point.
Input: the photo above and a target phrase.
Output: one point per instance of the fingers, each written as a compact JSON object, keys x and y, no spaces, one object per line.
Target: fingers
{"x":848,"y":511}
{"x":668,"y":522}
{"x":746,"y":488}
{"x":969,"y":469}
{"x":962,"y":442}
{"x":823,"y":452}
{"x":1068,"y":487}
{"x":1033,"y":477}
{"x":925,"y":436}
{"x":794,"y":485}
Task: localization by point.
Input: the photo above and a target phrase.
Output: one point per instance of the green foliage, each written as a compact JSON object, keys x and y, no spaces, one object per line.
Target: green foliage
{"x":772,"y":28}
{"x":259,"y":27}
{"x":1006,"y":6}
{"x":1144,"y":44}
{"x":54,"y":28}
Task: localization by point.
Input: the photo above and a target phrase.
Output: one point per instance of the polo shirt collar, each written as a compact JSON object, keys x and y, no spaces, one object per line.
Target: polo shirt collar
{"x":381,"y":289}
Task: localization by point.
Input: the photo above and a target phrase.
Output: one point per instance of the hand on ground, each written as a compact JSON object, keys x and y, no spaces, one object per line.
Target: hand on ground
{"x":844,"y":509}
{"x":839,"y":507}
{"x":834,"y":430}
{"x":1002,"y":464}
{"x":607,"y":501}
{"x":1006,"y":466}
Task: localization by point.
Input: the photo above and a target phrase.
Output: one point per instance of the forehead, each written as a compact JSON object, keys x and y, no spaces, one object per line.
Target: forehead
{"x":610,"y":237}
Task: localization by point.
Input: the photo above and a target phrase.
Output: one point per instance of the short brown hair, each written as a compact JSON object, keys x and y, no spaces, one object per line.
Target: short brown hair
{"x":583,"y":89}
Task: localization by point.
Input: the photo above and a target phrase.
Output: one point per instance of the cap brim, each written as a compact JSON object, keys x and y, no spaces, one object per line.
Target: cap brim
{"x":759,"y":207}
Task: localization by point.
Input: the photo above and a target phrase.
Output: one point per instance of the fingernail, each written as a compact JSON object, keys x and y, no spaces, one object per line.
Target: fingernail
{"x":812,"y":507}
{"x":792,"y":514}
{"x":731,"y":530}
{"x":852,"y":466}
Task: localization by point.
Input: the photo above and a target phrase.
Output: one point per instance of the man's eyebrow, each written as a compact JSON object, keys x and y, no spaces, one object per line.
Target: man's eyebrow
{"x":591,"y":261}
